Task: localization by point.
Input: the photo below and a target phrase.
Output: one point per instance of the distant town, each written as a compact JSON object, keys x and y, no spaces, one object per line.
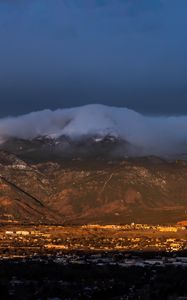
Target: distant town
{"x":93,"y":261}
{"x":26,"y":241}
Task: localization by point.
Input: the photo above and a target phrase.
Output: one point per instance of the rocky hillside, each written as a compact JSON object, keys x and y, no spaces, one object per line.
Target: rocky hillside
{"x":147,"y":190}
{"x":45,"y":148}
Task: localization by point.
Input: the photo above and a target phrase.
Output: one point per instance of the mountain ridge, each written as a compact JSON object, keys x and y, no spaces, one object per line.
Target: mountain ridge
{"x":142,"y":190}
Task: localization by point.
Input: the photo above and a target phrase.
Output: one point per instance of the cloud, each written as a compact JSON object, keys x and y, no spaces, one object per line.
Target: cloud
{"x":163,"y":136}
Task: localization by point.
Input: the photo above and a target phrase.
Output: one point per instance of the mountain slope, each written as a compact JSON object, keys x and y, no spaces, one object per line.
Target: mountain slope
{"x":146,"y":190}
{"x":21,"y":187}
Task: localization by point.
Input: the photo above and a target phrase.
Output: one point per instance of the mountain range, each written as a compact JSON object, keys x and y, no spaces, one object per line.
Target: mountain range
{"x":93,"y":164}
{"x":83,"y":190}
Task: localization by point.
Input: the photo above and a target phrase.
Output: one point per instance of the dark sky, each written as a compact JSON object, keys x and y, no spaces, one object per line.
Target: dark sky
{"x":62,"y":53}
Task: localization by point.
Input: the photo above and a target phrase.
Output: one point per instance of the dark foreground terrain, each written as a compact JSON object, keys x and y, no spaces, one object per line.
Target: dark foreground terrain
{"x":95,"y":276}
{"x":135,"y":261}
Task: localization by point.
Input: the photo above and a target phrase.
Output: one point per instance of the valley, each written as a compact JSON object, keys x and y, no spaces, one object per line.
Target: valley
{"x":28,"y":241}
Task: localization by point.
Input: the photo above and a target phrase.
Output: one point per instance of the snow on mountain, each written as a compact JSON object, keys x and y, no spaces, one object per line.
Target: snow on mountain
{"x":162,"y":136}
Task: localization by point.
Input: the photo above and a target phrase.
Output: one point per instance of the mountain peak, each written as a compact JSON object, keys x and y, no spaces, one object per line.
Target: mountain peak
{"x":160,"y":136}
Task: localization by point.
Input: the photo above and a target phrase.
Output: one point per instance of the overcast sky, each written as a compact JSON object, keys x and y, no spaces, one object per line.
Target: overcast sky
{"x":62,"y":53}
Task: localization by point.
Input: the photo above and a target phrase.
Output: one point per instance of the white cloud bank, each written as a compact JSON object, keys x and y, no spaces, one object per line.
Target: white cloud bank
{"x":162,"y":136}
